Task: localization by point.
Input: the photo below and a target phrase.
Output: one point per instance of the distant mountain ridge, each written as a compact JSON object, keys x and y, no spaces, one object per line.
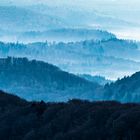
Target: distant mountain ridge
{"x":82,"y":57}
{"x":98,"y":79}
{"x":65,"y":35}
{"x":20,"y":21}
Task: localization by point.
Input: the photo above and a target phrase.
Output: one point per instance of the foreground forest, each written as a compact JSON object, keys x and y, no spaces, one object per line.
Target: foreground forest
{"x":74,"y":120}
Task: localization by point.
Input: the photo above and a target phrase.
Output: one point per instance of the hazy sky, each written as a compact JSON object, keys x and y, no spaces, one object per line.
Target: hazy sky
{"x":75,"y":2}
{"x":127,"y":10}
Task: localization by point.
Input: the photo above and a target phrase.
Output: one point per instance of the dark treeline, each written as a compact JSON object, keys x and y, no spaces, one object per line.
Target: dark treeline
{"x":36,"y":80}
{"x":74,"y":120}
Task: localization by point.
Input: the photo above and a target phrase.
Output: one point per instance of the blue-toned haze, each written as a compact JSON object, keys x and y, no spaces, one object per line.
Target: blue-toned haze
{"x":87,"y":24}
{"x":118,"y":16}
{"x":82,"y":45}
{"x":83,"y":52}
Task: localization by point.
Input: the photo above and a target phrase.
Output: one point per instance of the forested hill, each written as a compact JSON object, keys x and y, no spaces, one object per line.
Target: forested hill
{"x":65,"y":35}
{"x":74,"y":120}
{"x":124,"y":90}
{"x":36,"y":80}
{"x":84,"y":57}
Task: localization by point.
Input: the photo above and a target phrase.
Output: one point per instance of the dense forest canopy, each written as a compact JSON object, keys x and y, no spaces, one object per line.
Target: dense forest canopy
{"x":36,"y":80}
{"x":74,"y":120}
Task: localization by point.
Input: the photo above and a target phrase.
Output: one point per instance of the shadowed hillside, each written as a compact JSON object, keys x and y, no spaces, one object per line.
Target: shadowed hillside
{"x":74,"y":120}
{"x":36,"y":80}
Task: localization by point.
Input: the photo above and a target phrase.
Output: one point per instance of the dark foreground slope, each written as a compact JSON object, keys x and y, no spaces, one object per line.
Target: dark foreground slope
{"x":74,"y":120}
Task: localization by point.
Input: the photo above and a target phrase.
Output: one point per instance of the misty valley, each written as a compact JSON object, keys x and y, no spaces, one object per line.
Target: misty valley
{"x":69,"y":70}
{"x":91,"y":57}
